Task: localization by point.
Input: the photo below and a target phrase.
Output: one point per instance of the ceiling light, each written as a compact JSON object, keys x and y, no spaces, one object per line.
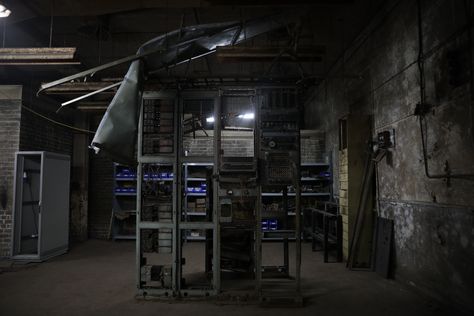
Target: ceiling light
{"x":210,"y":119}
{"x":4,"y":12}
{"x":247,"y":116}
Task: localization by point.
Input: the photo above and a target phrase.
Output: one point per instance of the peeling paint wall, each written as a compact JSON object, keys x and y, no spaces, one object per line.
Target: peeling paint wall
{"x":379,"y":75}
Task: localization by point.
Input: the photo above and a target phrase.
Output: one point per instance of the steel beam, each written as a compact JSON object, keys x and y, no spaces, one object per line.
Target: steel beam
{"x":92,"y":71}
{"x":80,"y":87}
{"x":99,"y":106}
{"x":262,"y":54}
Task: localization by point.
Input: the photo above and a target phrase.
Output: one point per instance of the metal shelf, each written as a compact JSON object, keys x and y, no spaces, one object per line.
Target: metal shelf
{"x":198,"y":164}
{"x":125,"y":237}
{"x":125,"y":193}
{"x":293,"y":194}
{"x":196,"y":179}
{"x":196,"y":194}
{"x":144,"y":179}
{"x":195,"y":238}
{"x":196,"y":213}
{"x":314,"y":164}
{"x":314,"y":179}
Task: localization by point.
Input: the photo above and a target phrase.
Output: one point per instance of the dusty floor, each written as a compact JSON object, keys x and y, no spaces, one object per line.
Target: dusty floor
{"x":97,"y":278}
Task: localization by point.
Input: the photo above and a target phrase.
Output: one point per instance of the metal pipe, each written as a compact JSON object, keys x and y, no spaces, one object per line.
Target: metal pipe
{"x":82,"y":97}
{"x":92,"y":71}
{"x":421,"y":68}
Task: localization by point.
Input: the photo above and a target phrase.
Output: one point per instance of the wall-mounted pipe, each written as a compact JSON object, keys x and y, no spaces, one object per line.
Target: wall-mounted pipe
{"x":423,"y":107}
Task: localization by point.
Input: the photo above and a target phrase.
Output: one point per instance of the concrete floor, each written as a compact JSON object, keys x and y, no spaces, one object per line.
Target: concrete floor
{"x":97,"y":278}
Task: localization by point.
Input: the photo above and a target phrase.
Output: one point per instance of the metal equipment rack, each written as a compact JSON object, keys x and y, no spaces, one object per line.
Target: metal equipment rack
{"x":278,"y":150}
{"x":162,"y":217}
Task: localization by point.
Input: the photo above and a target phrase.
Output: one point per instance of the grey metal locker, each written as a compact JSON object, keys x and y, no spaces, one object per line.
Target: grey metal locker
{"x":40,"y":205}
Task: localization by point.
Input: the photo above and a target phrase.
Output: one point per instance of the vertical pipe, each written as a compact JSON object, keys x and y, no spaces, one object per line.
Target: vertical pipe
{"x":177,"y":190}
{"x":215,"y":210}
{"x":298,"y":233}
{"x":298,"y":209}
{"x":138,"y":252}
{"x":258,"y":206}
{"x":51,"y":24}
{"x":326,"y":237}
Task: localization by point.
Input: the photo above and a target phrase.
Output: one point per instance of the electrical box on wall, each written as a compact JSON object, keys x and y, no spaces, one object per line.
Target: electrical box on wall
{"x":386,"y":139}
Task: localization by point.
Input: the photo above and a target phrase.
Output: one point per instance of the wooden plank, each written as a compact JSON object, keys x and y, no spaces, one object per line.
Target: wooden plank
{"x":37,"y":53}
{"x":37,"y":56}
{"x":383,"y":248}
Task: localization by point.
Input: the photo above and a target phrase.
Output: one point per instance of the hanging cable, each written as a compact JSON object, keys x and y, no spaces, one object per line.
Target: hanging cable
{"x":51,"y":24}
{"x":56,"y":122}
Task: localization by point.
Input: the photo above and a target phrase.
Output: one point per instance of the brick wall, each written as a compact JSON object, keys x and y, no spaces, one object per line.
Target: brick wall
{"x":434,"y":247}
{"x":38,"y":134}
{"x":21,"y":130}
{"x":10,"y":114}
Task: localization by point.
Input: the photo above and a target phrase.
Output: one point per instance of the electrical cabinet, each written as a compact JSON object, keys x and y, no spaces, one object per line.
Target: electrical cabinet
{"x":40,"y":206}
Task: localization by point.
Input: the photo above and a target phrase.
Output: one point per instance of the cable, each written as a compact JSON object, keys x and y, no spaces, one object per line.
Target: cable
{"x":56,"y":122}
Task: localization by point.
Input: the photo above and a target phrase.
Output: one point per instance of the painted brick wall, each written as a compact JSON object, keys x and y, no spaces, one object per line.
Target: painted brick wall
{"x":10,"y":114}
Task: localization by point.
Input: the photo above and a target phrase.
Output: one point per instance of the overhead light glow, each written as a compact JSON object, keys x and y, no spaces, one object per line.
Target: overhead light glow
{"x":210,"y":119}
{"x":247,"y":116}
{"x":4,"y":12}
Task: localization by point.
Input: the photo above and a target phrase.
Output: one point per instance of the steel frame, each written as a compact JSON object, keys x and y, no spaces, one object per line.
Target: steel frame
{"x":177,"y":160}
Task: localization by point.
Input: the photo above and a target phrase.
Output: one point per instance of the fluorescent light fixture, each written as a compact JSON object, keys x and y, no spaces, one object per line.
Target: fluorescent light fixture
{"x":247,"y":116}
{"x":4,"y":12}
{"x":210,"y":119}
